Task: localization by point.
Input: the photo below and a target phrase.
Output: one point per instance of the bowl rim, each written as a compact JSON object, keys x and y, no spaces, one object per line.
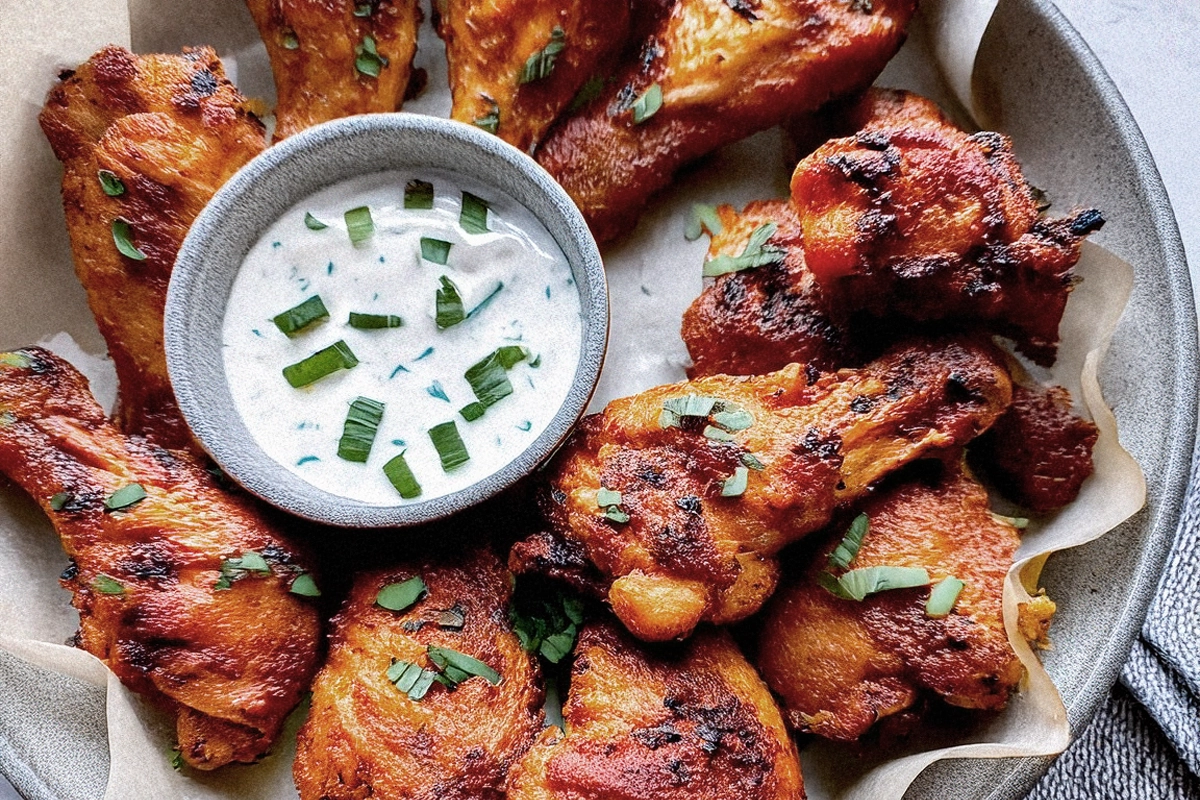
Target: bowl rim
{"x":283,"y":175}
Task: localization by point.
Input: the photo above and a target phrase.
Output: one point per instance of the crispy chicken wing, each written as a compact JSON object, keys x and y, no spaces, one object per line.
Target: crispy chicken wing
{"x":366,"y":738}
{"x":164,"y":132}
{"x":925,"y":222}
{"x":336,"y":58}
{"x":691,"y":721}
{"x":515,"y":65}
{"x":182,"y":592}
{"x":840,"y":665}
{"x":716,"y":475}
{"x":713,"y":72}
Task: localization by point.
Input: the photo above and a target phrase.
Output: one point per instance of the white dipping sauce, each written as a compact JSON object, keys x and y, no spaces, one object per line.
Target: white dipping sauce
{"x":416,"y":370}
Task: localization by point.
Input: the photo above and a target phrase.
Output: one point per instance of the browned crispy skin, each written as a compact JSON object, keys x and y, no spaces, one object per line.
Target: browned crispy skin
{"x":690,"y":722}
{"x":760,"y":320}
{"x":1040,"y":452}
{"x":172,"y":130}
{"x":488,"y":43}
{"x":314,"y":46}
{"x":364,"y":738}
{"x":230,"y":664}
{"x":925,"y":222}
{"x":689,"y":554}
{"x":840,"y":665}
{"x":726,"y":70}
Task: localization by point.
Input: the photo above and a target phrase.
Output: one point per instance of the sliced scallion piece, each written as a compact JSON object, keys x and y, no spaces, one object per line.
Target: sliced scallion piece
{"x":474,"y":214}
{"x":490,"y":121}
{"x":511,"y":354}
{"x":1020,"y":523}
{"x":436,"y":251}
{"x":848,"y":548}
{"x":457,"y":667}
{"x":125,"y":497}
{"x":59,"y":501}
{"x":110,"y":183}
{"x":943,"y":596}
{"x":411,"y":679}
{"x":616,"y":514}
{"x":648,"y":104}
{"x":488,"y":380}
{"x":402,"y":477}
{"x":539,"y":65}
{"x":367,"y":322}
{"x":312,"y":223}
{"x":449,"y":305}
{"x":716,"y":434}
{"x":363,"y":9}
{"x":449,"y":445}
{"x":122,"y":232}
{"x":751,"y":461}
{"x":757,"y":253}
{"x":368,"y":60}
{"x":403,"y":595}
{"x":246,"y":565}
{"x":704,"y":218}
{"x":858,"y":583}
{"x":735,"y":484}
{"x":105,"y":584}
{"x":472,"y":411}
{"x":418,"y":194}
{"x":304,"y":586}
{"x":299,"y":317}
{"x":358,"y":434}
{"x":587,"y":93}
{"x":359,"y":224}
{"x":320,"y":364}
{"x":608,"y":497}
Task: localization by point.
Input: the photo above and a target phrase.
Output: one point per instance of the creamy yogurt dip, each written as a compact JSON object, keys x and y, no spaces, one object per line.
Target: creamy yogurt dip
{"x":507,"y":287}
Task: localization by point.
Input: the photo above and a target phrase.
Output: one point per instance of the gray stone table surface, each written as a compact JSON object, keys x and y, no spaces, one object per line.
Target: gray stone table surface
{"x":1151,"y":48}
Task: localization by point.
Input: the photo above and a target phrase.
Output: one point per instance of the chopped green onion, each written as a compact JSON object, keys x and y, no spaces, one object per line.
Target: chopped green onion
{"x":449,"y":305}
{"x":587,"y":93}
{"x":537,"y":361}
{"x":510,"y":355}
{"x":289,"y":40}
{"x":843,"y":555}
{"x":474,"y":215}
{"x":457,"y":667}
{"x":726,"y":417}
{"x":122,"y":233}
{"x":107,"y":585}
{"x":546,"y":623}
{"x":300,"y":317}
{"x":304,"y":586}
{"x":751,"y":461}
{"x":176,"y":759}
{"x":403,"y":595}
{"x":312,"y":223}
{"x":234,"y":569}
{"x":616,"y":514}
{"x":412,"y":680}
{"x":858,"y":583}
{"x":539,"y":65}
{"x":704,"y":218}
{"x":472,"y":411}
{"x":608,"y":497}
{"x":362,"y":9}
{"x":449,"y":445}
{"x":943,"y":596}
{"x":320,"y":364}
{"x":757,"y":253}
{"x":1020,"y":523}
{"x":402,"y":477}
{"x":435,"y":250}
{"x":418,"y":194}
{"x":59,"y":501}
{"x":358,"y":434}
{"x":732,"y":417}
{"x":110,"y":183}
{"x":359,"y":224}
{"x":735,"y":484}
{"x":717,"y":434}
{"x":488,"y":380}
{"x":368,"y":61}
{"x":125,"y":497}
{"x":648,"y":104}
{"x":367,"y":322}
{"x":490,"y":121}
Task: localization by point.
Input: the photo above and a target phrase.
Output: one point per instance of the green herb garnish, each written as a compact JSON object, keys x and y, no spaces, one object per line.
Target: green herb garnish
{"x":449,"y":445}
{"x":488,"y":380}
{"x":539,"y":65}
{"x":418,"y":194}
{"x":125,"y":497}
{"x":457,"y":667}
{"x":449,"y":305}
{"x":546,"y":623}
{"x":246,"y":565}
{"x":474,"y":214}
{"x":648,"y":104}
{"x":367,"y":322}
{"x":1020,"y":523}
{"x":289,"y":41}
{"x":858,"y":583}
{"x":368,"y":61}
{"x":608,"y":497}
{"x":110,"y":183}
{"x":735,"y":484}
{"x":587,"y":93}
{"x":320,"y":364}
{"x":757,"y":253}
{"x":751,"y":461}
{"x":511,"y":354}
{"x":122,"y":233}
{"x":304,"y":586}
{"x":59,"y":501}
{"x":403,"y":595}
{"x":943,"y":596}
{"x":844,"y":553}
{"x":358,"y":434}
{"x":359,"y":224}
{"x":299,"y":317}
{"x":411,"y":679}
{"x":363,"y":9}
{"x":108,"y":585}
{"x":490,"y":121}
{"x":402,"y":477}
{"x":723,"y":416}
{"x":704,"y":218}
{"x":435,"y":250}
{"x":616,"y":514}
{"x":472,"y":411}
{"x":176,"y":759}
{"x":312,"y":223}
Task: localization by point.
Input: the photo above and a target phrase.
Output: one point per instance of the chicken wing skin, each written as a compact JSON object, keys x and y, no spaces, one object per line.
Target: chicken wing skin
{"x":171,"y":130}
{"x":366,"y":738}
{"x":692,"y":721}
{"x":489,"y":45}
{"x":723,"y":71}
{"x":841,"y":665}
{"x":161,"y":601}
{"x":336,"y":58}
{"x":926,"y":222}
{"x":683,"y":544}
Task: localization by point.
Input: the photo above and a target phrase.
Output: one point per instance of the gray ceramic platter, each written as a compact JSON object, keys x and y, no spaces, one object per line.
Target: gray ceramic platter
{"x":1070,"y":127}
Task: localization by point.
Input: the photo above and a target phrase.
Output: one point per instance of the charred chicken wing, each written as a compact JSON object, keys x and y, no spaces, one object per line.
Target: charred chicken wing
{"x":182,"y":589}
{"x":712,"y":72}
{"x":688,"y":722}
{"x":336,"y":58}
{"x":145,"y":141}
{"x":381,"y":724}
{"x":839,"y":665}
{"x":681,"y":495}
{"x":516,"y":65}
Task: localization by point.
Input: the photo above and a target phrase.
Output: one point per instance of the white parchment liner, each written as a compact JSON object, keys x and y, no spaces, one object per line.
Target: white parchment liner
{"x":653,"y":275}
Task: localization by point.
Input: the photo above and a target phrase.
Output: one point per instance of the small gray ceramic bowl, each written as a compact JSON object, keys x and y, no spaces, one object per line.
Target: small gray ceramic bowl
{"x":284,"y":175}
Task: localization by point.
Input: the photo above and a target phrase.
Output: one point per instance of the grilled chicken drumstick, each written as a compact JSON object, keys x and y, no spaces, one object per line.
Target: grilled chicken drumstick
{"x":182,"y":589}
